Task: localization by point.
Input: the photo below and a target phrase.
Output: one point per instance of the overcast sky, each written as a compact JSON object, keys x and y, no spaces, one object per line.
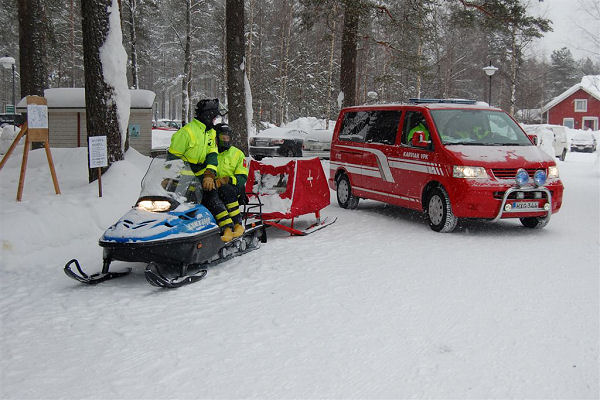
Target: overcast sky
{"x":568,"y":16}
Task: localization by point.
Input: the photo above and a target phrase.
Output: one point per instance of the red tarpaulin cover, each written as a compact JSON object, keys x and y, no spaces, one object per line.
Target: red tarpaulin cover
{"x":287,"y":191}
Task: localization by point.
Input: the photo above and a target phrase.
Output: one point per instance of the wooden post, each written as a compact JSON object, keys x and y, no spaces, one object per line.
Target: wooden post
{"x":99,"y":182}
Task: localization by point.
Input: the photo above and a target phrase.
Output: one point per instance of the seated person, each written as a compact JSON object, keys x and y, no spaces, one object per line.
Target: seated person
{"x":232,"y":175}
{"x":196,"y":143}
{"x":421,"y":127}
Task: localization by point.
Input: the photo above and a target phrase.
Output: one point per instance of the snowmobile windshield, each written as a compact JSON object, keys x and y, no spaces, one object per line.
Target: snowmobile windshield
{"x":171,"y":180}
{"x":478,"y":128}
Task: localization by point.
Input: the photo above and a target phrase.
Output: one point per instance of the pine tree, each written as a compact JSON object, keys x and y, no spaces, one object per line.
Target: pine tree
{"x":563,"y":72}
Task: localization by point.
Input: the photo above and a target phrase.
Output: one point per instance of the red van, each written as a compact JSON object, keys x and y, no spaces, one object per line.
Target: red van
{"x":450,"y":159}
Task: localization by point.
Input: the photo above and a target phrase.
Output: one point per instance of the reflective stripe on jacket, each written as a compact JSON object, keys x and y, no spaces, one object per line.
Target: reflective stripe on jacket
{"x":193,"y":143}
{"x":231,"y":164}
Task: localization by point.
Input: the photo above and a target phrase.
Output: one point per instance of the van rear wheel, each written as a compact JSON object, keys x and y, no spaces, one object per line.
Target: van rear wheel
{"x":439,"y":211}
{"x":563,"y":155}
{"x":345,"y":197}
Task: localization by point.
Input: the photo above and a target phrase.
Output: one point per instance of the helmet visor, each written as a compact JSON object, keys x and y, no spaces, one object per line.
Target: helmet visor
{"x":222,"y":109}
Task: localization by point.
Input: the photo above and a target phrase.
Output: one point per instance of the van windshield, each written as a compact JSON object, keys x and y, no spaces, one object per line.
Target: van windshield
{"x":478,"y":127}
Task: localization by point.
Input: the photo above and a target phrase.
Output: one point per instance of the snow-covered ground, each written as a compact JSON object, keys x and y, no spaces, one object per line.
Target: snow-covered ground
{"x":374,"y":306}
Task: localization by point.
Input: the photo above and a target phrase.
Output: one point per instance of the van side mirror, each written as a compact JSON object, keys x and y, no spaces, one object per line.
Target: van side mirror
{"x":418,"y":140}
{"x":533,"y":139}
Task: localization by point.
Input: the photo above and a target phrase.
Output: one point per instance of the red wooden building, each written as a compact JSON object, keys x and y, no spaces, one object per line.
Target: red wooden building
{"x":577,"y":107}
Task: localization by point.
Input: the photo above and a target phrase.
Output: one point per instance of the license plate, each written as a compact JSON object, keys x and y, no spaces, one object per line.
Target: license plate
{"x":525,"y":204}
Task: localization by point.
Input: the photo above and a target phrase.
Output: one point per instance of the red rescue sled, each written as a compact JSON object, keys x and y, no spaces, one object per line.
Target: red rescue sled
{"x":288,"y":191}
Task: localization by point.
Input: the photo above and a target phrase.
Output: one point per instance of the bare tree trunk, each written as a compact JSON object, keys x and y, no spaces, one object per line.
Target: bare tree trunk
{"x":133,"y":34}
{"x":513,"y":71}
{"x":187,"y":66}
{"x":419,"y":56}
{"x":259,"y":66}
{"x":33,"y":42}
{"x":236,"y":70}
{"x":72,"y":47}
{"x":102,"y":115}
{"x":250,"y":40}
{"x":348,"y":64}
{"x":330,"y":72}
{"x":286,"y":72}
{"x":283,"y":68}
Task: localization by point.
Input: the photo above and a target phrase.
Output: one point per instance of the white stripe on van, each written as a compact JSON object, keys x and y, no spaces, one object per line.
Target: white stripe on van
{"x":382,"y":161}
{"x":357,"y":169}
{"x":385,"y":165}
{"x":387,"y":194}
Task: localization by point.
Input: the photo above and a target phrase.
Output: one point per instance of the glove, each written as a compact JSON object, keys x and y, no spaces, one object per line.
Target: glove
{"x":208,"y":182}
{"x":222,"y":181}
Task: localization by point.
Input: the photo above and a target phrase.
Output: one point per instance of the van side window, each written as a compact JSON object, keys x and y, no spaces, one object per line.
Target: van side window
{"x":414,"y":121}
{"x":383,"y":126}
{"x":355,"y":126}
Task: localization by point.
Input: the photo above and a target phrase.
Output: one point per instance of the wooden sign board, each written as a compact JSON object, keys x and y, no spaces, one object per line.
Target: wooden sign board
{"x":35,"y":130}
{"x":37,"y":118}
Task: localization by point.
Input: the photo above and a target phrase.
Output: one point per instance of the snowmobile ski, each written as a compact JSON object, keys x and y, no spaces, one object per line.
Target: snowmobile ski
{"x":323,"y":223}
{"x":94,"y":278}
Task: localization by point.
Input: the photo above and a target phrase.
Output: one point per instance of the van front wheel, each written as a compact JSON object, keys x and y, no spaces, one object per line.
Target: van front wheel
{"x":439,"y":211}
{"x":535,"y":222}
{"x":344,"y":193}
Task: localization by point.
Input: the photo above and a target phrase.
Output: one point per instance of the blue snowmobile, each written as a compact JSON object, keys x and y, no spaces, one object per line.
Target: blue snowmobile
{"x":171,"y":231}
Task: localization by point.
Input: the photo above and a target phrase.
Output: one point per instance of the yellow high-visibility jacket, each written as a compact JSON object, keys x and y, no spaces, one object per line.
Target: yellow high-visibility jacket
{"x":194,"y":144}
{"x":232,"y":164}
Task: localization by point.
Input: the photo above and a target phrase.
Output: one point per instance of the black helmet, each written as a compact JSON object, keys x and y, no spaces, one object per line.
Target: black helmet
{"x":207,"y":109}
{"x":224,"y":136}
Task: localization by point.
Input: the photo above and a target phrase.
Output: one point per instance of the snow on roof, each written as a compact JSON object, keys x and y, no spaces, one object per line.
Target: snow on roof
{"x":589,"y":83}
{"x":75,"y":98}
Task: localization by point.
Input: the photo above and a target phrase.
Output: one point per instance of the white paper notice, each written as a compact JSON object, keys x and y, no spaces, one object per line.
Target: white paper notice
{"x":37,"y":116}
{"x":97,"y":151}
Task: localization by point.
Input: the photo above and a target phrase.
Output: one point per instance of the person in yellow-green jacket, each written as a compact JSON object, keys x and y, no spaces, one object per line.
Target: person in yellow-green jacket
{"x":196,"y":143}
{"x":232,"y":175}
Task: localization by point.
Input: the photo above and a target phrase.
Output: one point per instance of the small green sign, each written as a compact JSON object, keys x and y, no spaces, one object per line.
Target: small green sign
{"x":134,"y":130}
{"x":9,"y":108}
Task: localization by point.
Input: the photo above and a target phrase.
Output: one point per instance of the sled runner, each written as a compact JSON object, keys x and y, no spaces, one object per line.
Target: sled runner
{"x":289,"y":191}
{"x":171,"y":231}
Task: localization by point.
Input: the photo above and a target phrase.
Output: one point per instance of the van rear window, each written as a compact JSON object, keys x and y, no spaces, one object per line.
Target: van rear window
{"x":370,"y":126}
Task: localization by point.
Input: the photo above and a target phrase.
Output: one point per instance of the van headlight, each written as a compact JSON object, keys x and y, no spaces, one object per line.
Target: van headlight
{"x":462,"y":171}
{"x":553,"y":171}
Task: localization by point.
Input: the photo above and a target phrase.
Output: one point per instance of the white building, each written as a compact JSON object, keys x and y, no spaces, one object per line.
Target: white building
{"x":67,"y":119}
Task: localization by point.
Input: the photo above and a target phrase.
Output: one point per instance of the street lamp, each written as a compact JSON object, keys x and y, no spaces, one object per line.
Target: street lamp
{"x":9,"y":62}
{"x":489,"y":71}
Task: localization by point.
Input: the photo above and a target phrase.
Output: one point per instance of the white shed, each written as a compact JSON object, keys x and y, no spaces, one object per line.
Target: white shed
{"x":67,"y":123}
